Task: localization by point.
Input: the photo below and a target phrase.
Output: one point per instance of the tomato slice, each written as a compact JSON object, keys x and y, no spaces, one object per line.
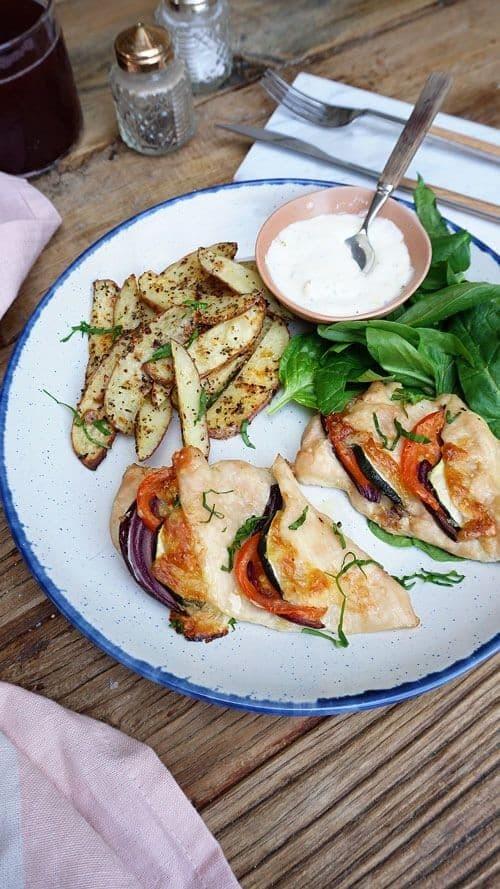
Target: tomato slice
{"x":159,"y":484}
{"x":257,"y":587}
{"x":338,"y":431}
{"x":414,"y":453}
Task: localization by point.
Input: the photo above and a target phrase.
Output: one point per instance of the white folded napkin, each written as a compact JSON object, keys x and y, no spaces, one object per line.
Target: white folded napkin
{"x":369,"y":141}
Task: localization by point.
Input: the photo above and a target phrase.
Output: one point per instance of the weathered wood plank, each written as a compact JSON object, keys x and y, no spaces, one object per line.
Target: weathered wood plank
{"x":359,"y":793}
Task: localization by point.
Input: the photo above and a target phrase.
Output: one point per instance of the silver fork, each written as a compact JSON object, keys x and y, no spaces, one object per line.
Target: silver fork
{"x":324,"y":114}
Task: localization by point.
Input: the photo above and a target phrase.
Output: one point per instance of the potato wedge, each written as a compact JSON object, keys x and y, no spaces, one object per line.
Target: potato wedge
{"x":159,"y":394}
{"x":91,"y":408}
{"x":216,"y":381}
{"x":182,"y":280}
{"x":129,"y":311}
{"x":151,"y":424}
{"x":214,"y":309}
{"x":227,"y":340}
{"x":102,"y":315}
{"x":160,"y":296}
{"x":91,"y":444}
{"x":275,"y":308}
{"x":190,"y":395}
{"x":129,"y":384}
{"x":252,"y":388}
{"x":239,"y":278}
{"x":185,"y":271}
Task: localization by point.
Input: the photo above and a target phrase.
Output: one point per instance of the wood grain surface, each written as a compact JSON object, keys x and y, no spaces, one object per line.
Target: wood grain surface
{"x":395,"y":797}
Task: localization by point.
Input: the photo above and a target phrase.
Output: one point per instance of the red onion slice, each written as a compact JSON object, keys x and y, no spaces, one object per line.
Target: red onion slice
{"x":138,"y":545}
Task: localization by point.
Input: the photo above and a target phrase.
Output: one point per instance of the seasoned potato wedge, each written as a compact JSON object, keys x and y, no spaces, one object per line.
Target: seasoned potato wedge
{"x":92,"y":397}
{"x":274,"y":307}
{"x":227,"y":340}
{"x":90,"y":443}
{"x":184,"y":272}
{"x":252,"y":388}
{"x":239,"y":278}
{"x":129,"y":384}
{"x":159,"y":394}
{"x":161,"y":371}
{"x":217,"y":380}
{"x":129,"y":311}
{"x":214,"y":309}
{"x":190,"y":396}
{"x":159,"y":295}
{"x":151,"y":424}
{"x":91,"y":408}
{"x":102,"y":315}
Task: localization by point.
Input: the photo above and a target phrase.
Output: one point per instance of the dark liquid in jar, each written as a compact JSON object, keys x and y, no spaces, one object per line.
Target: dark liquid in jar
{"x":40,"y":115}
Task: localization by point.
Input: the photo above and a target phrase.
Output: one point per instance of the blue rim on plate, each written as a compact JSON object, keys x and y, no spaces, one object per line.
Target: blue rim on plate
{"x":323,"y":706}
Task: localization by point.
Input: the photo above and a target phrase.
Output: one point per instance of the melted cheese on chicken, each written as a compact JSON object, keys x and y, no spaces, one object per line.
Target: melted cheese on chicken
{"x":216,"y":501}
{"x":307,"y":560}
{"x":471,"y":457}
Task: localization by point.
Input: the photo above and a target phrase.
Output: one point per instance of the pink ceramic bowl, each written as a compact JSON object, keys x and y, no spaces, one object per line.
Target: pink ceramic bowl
{"x":345,"y":199}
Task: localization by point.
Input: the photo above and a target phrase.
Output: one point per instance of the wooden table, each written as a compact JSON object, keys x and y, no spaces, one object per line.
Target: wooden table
{"x":392,"y":797}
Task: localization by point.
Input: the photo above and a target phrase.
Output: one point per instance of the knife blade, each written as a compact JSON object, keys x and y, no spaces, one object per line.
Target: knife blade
{"x":484,"y":209}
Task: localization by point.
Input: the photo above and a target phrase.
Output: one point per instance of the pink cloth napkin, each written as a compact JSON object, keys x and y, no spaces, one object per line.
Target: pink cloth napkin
{"x":83,"y":806}
{"x":27,"y":222}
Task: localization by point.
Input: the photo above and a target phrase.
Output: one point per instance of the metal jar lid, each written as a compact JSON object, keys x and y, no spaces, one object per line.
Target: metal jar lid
{"x":192,"y":5}
{"x":143,"y":48}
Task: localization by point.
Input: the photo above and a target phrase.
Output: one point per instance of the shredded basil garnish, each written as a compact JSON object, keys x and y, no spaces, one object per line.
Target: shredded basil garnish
{"x":164,"y":351}
{"x":383,"y":437}
{"x":441,"y":578}
{"x":244,"y":435}
{"x":411,"y":436}
{"x":211,"y":508}
{"x":86,"y":329}
{"x":80,"y":422}
{"x":300,"y":521}
{"x":202,"y":406}
{"x":336,"y":526}
{"x":450,"y":418}
{"x":244,"y":531}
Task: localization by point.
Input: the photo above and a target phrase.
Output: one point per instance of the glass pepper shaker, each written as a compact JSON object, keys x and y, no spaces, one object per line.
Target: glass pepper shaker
{"x":201,"y":36}
{"x":151,"y":90}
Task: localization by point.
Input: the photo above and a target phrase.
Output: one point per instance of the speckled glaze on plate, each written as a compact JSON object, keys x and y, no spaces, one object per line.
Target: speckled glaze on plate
{"x":58,"y":511}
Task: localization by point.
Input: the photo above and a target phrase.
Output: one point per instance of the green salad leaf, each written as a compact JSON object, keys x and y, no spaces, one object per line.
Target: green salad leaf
{"x":479,"y":331}
{"x":298,"y":367}
{"x":436,"y":307}
{"x":399,"y":540}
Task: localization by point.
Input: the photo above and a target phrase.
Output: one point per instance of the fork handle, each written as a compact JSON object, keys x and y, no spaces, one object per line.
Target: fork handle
{"x":426,"y":107}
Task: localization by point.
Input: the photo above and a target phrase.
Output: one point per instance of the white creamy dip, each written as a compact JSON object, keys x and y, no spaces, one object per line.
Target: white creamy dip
{"x":312,"y":265}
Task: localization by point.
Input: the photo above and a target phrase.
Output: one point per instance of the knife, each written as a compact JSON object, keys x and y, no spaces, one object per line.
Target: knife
{"x":484,"y":209}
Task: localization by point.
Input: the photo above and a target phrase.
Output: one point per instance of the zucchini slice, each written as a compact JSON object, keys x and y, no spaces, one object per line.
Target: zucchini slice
{"x":371,"y":473}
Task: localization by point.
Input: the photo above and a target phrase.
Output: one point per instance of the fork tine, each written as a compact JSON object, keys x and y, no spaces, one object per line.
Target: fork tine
{"x":311,"y":100}
{"x":297,"y":106}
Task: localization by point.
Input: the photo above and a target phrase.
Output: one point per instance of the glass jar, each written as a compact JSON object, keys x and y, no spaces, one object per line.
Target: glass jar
{"x":201,"y":36}
{"x":151,"y":91}
{"x":40,"y":115}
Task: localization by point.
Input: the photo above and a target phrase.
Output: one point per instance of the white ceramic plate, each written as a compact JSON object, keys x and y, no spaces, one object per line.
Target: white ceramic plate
{"x":58,"y":511}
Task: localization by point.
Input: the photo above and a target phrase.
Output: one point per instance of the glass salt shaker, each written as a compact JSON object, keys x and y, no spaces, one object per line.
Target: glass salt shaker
{"x":201,"y":36}
{"x":151,"y":90}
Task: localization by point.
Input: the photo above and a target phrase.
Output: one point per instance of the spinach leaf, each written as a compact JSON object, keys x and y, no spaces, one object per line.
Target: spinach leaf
{"x":333,"y":375}
{"x":479,"y":330}
{"x":298,"y":367}
{"x":400,"y":358}
{"x":427,"y":211}
{"x":451,"y":246}
{"x":449,"y":301}
{"x":399,"y":540}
